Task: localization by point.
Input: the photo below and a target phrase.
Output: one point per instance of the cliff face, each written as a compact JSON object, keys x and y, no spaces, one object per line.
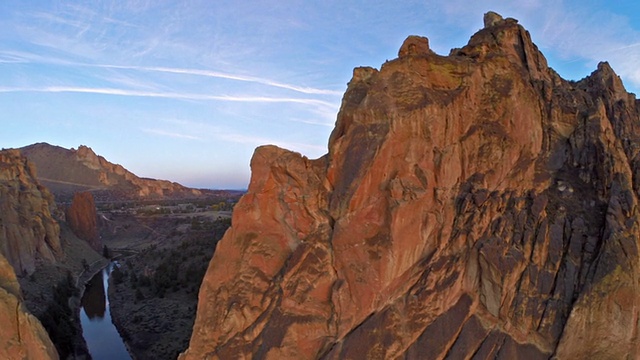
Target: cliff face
{"x":27,"y":230}
{"x":66,"y":172}
{"x":21,"y":334}
{"x":470,"y":206}
{"x":82,"y":219}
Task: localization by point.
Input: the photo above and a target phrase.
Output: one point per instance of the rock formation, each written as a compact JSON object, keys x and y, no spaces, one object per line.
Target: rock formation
{"x":82,"y":219}
{"x":21,"y":334}
{"x":66,"y":172}
{"x":470,"y":206}
{"x":27,"y":230}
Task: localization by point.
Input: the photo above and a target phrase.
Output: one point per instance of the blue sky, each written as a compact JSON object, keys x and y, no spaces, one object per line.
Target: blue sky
{"x":185,"y":90}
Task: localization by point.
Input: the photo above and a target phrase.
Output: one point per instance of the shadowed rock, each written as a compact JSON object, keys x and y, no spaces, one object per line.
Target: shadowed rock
{"x":82,"y":219}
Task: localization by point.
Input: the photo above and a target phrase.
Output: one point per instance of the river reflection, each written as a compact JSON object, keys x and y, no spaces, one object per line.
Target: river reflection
{"x":94,"y":301}
{"x":101,"y":335}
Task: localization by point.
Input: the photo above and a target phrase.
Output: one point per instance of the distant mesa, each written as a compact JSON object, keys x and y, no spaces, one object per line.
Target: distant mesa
{"x":67,"y":171}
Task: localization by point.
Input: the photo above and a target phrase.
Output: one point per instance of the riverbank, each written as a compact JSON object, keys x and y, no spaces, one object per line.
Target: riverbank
{"x":99,"y":332}
{"x":75,"y":303}
{"x":154,"y":297}
{"x":83,"y":278}
{"x":155,"y":328}
{"x":41,"y":292}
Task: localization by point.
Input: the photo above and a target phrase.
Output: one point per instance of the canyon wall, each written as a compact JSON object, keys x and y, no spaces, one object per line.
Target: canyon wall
{"x":21,"y":334}
{"x":474,"y":205}
{"x":28,"y":232}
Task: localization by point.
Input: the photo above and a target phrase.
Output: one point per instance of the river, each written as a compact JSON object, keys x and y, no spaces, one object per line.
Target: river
{"x":98,"y":330}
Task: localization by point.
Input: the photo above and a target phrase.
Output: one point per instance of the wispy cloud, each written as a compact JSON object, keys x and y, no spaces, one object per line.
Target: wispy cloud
{"x":24,"y":57}
{"x":169,"y":95}
{"x":231,"y":135}
{"x":170,"y":134}
{"x":329,"y":124}
{"x":593,"y":36}
{"x":56,"y":19}
{"x":222,"y":75}
{"x":258,"y":140}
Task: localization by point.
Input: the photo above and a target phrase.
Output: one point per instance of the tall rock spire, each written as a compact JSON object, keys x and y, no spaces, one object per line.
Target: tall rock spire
{"x":470,"y":205}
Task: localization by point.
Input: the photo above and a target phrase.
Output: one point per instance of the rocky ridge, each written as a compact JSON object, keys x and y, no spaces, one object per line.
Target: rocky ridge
{"x":66,"y":172}
{"x":28,"y":232}
{"x":475,"y":205}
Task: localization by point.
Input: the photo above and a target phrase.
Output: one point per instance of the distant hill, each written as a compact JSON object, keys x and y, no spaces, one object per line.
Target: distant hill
{"x":66,"y":171}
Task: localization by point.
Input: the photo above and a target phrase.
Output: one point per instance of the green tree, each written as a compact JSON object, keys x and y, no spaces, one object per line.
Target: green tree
{"x":105,"y":252}
{"x":118,"y":275}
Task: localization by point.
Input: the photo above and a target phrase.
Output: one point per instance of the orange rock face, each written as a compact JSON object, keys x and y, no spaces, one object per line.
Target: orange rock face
{"x":27,"y":230}
{"x":82,"y":219}
{"x":470,"y":206}
{"x":21,"y":334}
{"x":28,"y":234}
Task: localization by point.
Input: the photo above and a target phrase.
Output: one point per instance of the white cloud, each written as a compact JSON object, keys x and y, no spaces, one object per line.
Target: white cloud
{"x":169,"y":95}
{"x":231,"y":135}
{"x":257,"y":141}
{"x":221,"y":75}
{"x":170,"y":134}
{"x":25,"y":57}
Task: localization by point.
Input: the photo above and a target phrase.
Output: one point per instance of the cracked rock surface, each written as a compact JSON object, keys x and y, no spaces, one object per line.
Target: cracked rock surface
{"x":21,"y":334}
{"x":474,"y":205}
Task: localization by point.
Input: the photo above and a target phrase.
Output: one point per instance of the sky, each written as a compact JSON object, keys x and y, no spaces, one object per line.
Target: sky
{"x":186,"y":90}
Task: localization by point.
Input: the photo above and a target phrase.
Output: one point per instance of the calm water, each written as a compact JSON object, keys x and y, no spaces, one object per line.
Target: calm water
{"x":101,"y":335}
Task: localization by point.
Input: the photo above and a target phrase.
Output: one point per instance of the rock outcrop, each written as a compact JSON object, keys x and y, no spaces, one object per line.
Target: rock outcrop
{"x":82,"y":219}
{"x":66,"y":172}
{"x":470,"y":206}
{"x":27,"y":230}
{"x":21,"y":334}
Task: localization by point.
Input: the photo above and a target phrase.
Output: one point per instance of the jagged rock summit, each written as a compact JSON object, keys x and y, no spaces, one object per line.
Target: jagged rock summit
{"x":475,"y":205}
{"x":67,"y":171}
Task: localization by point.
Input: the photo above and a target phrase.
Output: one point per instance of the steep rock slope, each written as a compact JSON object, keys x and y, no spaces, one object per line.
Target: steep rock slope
{"x":82,"y":218}
{"x":67,"y":171}
{"x":470,"y":206}
{"x":27,"y":230}
{"x":21,"y":334}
